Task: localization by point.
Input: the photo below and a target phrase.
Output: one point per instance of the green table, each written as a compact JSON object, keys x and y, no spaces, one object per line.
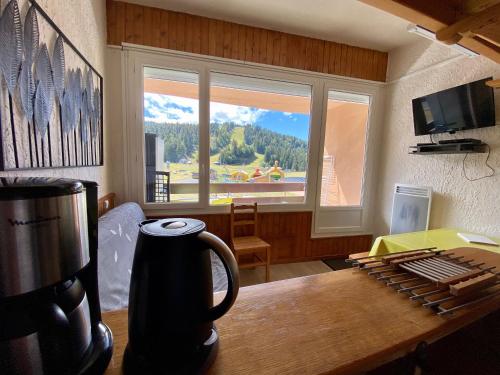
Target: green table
{"x":442,"y":239}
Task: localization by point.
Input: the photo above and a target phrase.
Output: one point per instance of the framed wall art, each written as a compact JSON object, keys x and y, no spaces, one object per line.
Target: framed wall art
{"x":51,"y":97}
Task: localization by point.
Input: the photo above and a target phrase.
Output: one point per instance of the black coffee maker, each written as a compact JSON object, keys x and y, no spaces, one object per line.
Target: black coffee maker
{"x":50,"y":317}
{"x":171,"y":312}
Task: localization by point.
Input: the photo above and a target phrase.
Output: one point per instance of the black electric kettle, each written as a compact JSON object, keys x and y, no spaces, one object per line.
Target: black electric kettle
{"x":171,"y":312}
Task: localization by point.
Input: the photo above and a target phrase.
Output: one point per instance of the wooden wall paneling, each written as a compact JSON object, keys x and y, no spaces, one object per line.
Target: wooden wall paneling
{"x":163,"y":29}
{"x":147,"y":26}
{"x":308,"y":54}
{"x":172,"y":30}
{"x":382,"y":67}
{"x":234,"y":41}
{"x":205,"y":36}
{"x":181,"y":32}
{"x":331,"y":57}
{"x":111,"y":20}
{"x":248,"y":43}
{"x":289,"y":234}
{"x":262,"y":46}
{"x":212,"y":35}
{"x":255,"y":44}
{"x":189,"y":42}
{"x":154,"y":27}
{"x":349,"y":61}
{"x":129,"y":23}
{"x":291,"y":48}
{"x":326,"y":57}
{"x":138,"y":24}
{"x":196,"y":34}
{"x":241,"y":42}
{"x":219,"y":38}
{"x":226,"y":40}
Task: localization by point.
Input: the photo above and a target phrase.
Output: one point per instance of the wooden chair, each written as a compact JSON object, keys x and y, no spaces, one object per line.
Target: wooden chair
{"x":249,"y":245}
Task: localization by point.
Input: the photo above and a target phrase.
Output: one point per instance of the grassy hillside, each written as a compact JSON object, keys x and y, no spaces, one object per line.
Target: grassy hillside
{"x":180,"y":138}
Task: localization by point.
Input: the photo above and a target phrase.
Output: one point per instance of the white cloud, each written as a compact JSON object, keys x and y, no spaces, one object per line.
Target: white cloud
{"x":164,"y":108}
{"x":220,"y":112}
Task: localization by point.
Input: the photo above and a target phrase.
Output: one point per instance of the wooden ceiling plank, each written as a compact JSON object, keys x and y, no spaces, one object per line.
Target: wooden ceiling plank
{"x":474,"y":6}
{"x":471,"y":25}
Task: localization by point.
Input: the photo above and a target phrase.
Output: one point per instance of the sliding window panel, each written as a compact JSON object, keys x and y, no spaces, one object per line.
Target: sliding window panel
{"x":259,"y":140}
{"x":171,"y":136}
{"x":344,"y":149}
{"x":340,"y":196}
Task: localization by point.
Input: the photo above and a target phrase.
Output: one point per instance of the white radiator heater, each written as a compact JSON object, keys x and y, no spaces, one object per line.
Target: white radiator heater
{"x":411,"y":208}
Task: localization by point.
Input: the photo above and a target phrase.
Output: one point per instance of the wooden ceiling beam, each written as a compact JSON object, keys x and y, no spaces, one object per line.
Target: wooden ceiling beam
{"x":495,"y":83}
{"x":437,"y":15}
{"x":486,"y":22}
{"x":475,"y":6}
{"x":408,"y":12}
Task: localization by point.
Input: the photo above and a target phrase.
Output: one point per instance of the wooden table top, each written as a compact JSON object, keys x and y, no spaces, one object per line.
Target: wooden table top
{"x":341,"y":322}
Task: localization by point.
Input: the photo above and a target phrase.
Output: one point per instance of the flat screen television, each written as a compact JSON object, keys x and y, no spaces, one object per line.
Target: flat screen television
{"x":468,"y":106}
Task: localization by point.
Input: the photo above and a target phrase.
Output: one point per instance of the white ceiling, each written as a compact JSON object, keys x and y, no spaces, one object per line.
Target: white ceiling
{"x":345,"y":21}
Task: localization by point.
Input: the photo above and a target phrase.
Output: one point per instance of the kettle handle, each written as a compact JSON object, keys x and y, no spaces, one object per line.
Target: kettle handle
{"x":233,"y":275}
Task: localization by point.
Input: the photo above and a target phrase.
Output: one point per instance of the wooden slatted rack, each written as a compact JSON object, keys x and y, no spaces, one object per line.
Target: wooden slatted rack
{"x":437,"y":280}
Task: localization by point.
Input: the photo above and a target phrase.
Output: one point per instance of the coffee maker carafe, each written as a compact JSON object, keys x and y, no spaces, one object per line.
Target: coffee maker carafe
{"x":171,"y":312}
{"x":50,"y":319}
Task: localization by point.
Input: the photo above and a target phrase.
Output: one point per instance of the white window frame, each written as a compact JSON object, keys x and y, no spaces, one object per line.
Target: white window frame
{"x":137,"y":57}
{"x":359,"y":214}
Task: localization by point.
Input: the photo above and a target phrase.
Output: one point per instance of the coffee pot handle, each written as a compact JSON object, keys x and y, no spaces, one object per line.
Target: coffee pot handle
{"x":233,"y":275}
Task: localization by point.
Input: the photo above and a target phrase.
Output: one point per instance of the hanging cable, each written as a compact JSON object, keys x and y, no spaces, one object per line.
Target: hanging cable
{"x":492,"y":173}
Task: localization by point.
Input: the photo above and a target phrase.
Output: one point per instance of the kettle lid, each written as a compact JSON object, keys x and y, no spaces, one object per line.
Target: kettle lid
{"x":172,"y":227}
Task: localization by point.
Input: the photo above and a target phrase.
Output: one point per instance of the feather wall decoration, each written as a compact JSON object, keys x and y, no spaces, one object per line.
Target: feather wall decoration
{"x":58,"y":68}
{"x":27,"y":90}
{"x":11,"y":53}
{"x":89,"y":87}
{"x":76,"y":90}
{"x":26,"y":79}
{"x":84,"y":123}
{"x":68,"y":113}
{"x":44,"y":96}
{"x":58,"y":76}
{"x":11,"y":41}
{"x":96,"y":112}
{"x":31,"y":36}
{"x":40,"y":78}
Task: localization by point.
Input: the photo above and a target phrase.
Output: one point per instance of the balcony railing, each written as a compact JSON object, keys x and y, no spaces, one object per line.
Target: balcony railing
{"x":161,"y":188}
{"x":243,"y":187}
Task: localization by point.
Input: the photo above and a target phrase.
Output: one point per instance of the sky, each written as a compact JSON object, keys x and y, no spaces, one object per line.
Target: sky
{"x":166,"y":108}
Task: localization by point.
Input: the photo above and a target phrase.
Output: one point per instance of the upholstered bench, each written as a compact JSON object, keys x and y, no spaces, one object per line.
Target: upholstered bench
{"x":118,"y":230}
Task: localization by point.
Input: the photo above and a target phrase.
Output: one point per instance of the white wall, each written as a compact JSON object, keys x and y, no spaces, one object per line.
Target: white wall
{"x":116,"y":122}
{"x":416,"y":70}
{"x":84,"y":23}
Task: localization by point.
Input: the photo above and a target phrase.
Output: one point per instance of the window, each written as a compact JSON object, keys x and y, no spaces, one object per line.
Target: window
{"x":171,"y":136}
{"x":202,"y":133}
{"x":259,"y":140}
{"x":344,"y":149}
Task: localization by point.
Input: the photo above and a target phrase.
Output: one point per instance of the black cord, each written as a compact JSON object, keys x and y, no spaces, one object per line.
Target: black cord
{"x":486,"y":163}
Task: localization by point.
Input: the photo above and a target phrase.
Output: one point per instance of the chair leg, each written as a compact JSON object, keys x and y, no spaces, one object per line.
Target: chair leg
{"x":268,"y":265}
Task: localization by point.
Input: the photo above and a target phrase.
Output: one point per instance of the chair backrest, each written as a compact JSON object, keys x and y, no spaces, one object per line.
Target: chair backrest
{"x":246,"y":210}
